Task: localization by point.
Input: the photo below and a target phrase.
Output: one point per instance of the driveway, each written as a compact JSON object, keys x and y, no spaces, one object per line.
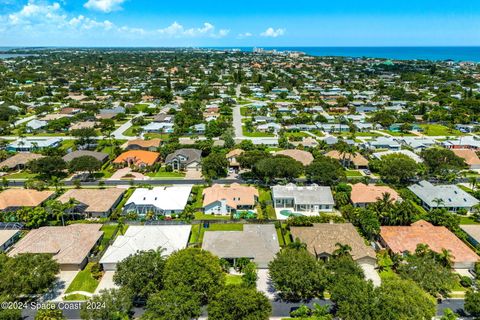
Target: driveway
{"x":106,"y":282}
{"x":64,"y":279}
{"x":193,"y":174}
{"x":237,"y":122}
{"x":264,"y":285}
{"x":119,"y":174}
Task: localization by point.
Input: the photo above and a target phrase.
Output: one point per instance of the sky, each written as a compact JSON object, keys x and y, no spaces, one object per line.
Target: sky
{"x":245,"y":23}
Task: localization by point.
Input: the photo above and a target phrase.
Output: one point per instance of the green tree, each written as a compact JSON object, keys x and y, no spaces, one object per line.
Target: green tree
{"x":297,"y":275}
{"x":442,"y":162}
{"x":239,"y":303}
{"x":141,"y":273}
{"x":50,"y":313}
{"x":215,"y":165}
{"x":472,"y":303}
{"x":178,"y":303}
{"x":114,"y":304}
{"x":325,"y":171}
{"x":48,"y":166}
{"x":398,"y":168}
{"x":196,"y":269}
{"x":85,"y":163}
{"x":278,"y":167}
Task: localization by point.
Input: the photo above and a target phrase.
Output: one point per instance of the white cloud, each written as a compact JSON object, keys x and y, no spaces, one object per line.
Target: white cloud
{"x":244,"y":35}
{"x":273,"y":33}
{"x":176,"y":30}
{"x":104,"y":5}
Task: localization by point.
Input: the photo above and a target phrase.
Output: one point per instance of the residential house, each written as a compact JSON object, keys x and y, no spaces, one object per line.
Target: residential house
{"x":362,"y":195}
{"x":7,"y":238}
{"x":404,"y":239}
{"x":304,"y":157}
{"x":93,"y":202}
{"x":450,"y":197}
{"x":355,"y":160}
{"x":185,"y":159}
{"x":70,"y":246}
{"x":137,"y":158}
{"x":14,"y":199}
{"x":473,"y":233}
{"x":100,"y":156}
{"x":147,"y":145}
{"x":308,"y":199}
{"x":170,"y":238}
{"x":383,"y":143}
{"x":322,"y":241}
{"x":408,"y":153}
{"x":34,"y":125}
{"x":232,"y":159}
{"x":467,"y":142}
{"x":158,"y":127}
{"x":19,"y":160}
{"x":259,"y":243}
{"x":33,"y":144}
{"x":227,"y":199}
{"x":470,"y":156}
{"x":158,"y":201}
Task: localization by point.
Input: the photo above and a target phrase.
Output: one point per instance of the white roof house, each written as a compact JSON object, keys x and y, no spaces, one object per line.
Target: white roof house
{"x":450,"y":197}
{"x":36,"y":124}
{"x":312,"y":198}
{"x":144,"y":238}
{"x":160,"y":200}
{"x":408,"y":153}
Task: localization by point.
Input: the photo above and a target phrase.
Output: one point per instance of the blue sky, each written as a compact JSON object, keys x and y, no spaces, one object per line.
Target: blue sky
{"x":239,"y":23}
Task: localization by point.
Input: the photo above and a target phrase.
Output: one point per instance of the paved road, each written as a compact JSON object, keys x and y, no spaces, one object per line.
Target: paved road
{"x":237,"y":122}
{"x":279,"y":309}
{"x":118,"y":134}
{"x":19,"y":122}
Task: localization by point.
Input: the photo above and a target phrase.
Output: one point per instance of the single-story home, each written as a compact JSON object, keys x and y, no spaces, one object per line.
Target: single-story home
{"x":473,"y":233}
{"x":70,"y":246}
{"x":450,"y":197}
{"x":100,"y":156}
{"x":304,"y":157}
{"x":183,"y":159}
{"x":470,"y":156}
{"x":147,"y":145}
{"x":7,"y":238}
{"x":312,"y":198}
{"x":408,"y":153}
{"x":33,"y":144}
{"x":158,"y":200}
{"x":256,"y":242}
{"x":322,"y":238}
{"x":355,"y":160}
{"x":93,"y":202}
{"x":363,"y":195}
{"x":403,"y":239}
{"x":19,"y":160}
{"x":14,"y":199}
{"x":143,"y":238}
{"x":137,"y":158}
{"x":226,"y":199}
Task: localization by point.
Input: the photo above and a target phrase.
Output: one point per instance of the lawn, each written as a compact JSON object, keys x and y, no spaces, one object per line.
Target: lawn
{"x":233,"y":280}
{"x":163,"y":174}
{"x":353,"y":173}
{"x":244,"y":111}
{"x":225,"y":227}
{"x":256,"y":134}
{"x":264,"y":195}
{"x":21,"y":175}
{"x":198,"y":192}
{"x":162,"y":136}
{"x":398,"y":134}
{"x":468,"y":220}
{"x":296,"y":135}
{"x":67,"y":144}
{"x":84,"y":281}
{"x":367,"y":134}
{"x":439,"y":130}
{"x":203,"y":216}
{"x":75,"y":297}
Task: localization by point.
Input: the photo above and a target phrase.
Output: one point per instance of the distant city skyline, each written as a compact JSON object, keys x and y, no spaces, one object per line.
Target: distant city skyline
{"x":212,"y":23}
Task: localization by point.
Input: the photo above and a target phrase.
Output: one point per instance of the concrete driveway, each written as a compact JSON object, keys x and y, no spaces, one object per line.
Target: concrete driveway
{"x":193,"y":174}
{"x":119,"y":174}
{"x":64,"y":279}
{"x":106,"y":282}
{"x":264,"y":285}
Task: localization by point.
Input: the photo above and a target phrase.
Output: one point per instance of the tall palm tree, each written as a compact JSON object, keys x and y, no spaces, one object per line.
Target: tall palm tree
{"x":342,"y":250}
{"x":473,"y":182}
{"x":446,"y":258}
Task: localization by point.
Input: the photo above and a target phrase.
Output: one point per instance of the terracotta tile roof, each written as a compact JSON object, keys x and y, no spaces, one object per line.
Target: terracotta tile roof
{"x":357,"y":158}
{"x":234,"y":194}
{"x":96,"y":200}
{"x":362,"y":193}
{"x":400,"y":239}
{"x":12,"y":198}
{"x":138,"y":157}
{"x":468,"y":155}
{"x":323,"y":237}
{"x":69,"y":245}
{"x":153,"y":143}
{"x":19,"y":159}
{"x":304,"y":157}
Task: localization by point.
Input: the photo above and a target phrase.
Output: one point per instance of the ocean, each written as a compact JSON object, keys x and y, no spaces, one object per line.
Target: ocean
{"x":397,"y":53}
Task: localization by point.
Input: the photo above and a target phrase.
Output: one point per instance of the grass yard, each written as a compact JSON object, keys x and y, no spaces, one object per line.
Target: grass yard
{"x":296,"y":134}
{"x":233,"y":280}
{"x":203,"y":216}
{"x":398,"y":134}
{"x":75,"y":297}
{"x":264,"y":195}
{"x":245,"y":111}
{"x":163,"y":174}
{"x":84,"y":281}
{"x":225,"y":227}
{"x":439,"y":130}
{"x":353,"y":173}
{"x":21,"y":175}
{"x":162,"y":136}
{"x":468,"y":220}
{"x":367,"y":134}
{"x":67,"y":144}
{"x":256,"y":134}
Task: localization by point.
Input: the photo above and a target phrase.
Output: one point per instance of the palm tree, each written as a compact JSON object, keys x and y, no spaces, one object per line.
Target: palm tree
{"x":342,"y":250}
{"x":446,"y":258}
{"x":473,"y":182}
{"x":439,"y":202}
{"x":297,"y":245}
